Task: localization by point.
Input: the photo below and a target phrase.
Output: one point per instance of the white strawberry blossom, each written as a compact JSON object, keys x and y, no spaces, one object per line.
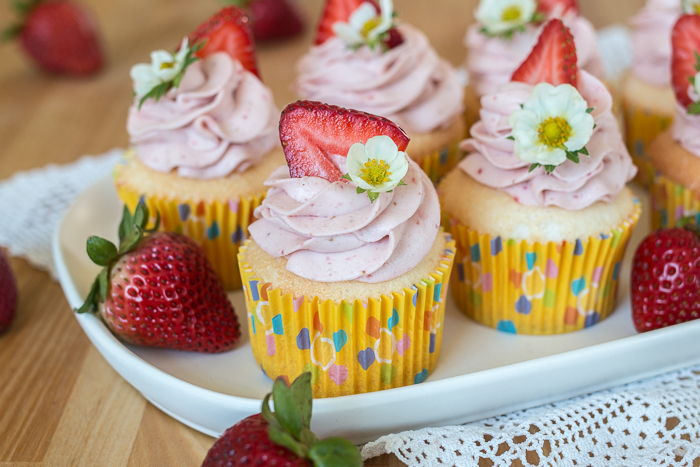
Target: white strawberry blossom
{"x":164,"y":67}
{"x":554,"y":125}
{"x":691,"y":6}
{"x":365,"y":25}
{"x":376,"y":167}
{"x":503,"y":16}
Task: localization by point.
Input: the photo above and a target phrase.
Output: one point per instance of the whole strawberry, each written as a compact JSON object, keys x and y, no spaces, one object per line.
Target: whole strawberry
{"x":666,"y":279}
{"x":159,"y":290}
{"x":61,"y":36}
{"x":283,"y":437}
{"x":272,"y":19}
{"x":8,"y":292}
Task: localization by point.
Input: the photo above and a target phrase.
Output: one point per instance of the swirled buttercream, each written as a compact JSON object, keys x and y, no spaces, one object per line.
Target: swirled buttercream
{"x":686,"y":128}
{"x":329,"y":233}
{"x":409,"y":84}
{"x":598,"y":177}
{"x":219,"y":120}
{"x":491,"y":61}
{"x":652,"y":41}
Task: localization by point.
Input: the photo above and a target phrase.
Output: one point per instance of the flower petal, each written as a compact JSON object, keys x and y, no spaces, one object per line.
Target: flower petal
{"x":381,"y":147}
{"x":347,"y":34}
{"x":361,"y":15}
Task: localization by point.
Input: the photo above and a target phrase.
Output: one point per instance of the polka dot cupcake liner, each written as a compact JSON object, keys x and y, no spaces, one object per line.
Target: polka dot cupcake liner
{"x":438,"y":163}
{"x":670,"y":202}
{"x":642,"y":127}
{"x":533,"y":288}
{"x":349,"y":347}
{"x":220,"y":227}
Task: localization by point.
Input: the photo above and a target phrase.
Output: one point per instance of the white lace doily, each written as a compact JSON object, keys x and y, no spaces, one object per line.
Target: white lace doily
{"x":33,"y":203}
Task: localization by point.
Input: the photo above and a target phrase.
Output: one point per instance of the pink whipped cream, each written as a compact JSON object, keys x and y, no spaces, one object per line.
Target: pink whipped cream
{"x":686,"y":128}
{"x":491,"y":61}
{"x":652,"y":41}
{"x":600,"y":177}
{"x":329,"y":233}
{"x":409,"y":84}
{"x":219,"y":120}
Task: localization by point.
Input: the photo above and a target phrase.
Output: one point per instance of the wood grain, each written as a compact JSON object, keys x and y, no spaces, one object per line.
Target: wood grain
{"x":61,"y":404}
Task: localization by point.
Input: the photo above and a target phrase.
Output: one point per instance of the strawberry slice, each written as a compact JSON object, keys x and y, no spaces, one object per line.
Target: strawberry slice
{"x":228,"y":31}
{"x":312,"y":131}
{"x":553,"y":60}
{"x":548,"y":7}
{"x":685,"y":41}
{"x":334,"y":11}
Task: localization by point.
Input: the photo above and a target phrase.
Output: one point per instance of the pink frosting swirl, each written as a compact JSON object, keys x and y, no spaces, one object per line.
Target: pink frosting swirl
{"x":409,"y":84}
{"x":219,"y":120}
{"x":329,"y":233}
{"x":571,"y":186}
{"x":686,"y":128}
{"x":491,"y":61}
{"x":652,"y":41}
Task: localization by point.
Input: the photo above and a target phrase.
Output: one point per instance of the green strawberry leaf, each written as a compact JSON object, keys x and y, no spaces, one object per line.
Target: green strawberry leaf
{"x":301,"y":394}
{"x":11,"y":32}
{"x":359,"y":190}
{"x":140,"y":215}
{"x":103,"y":280}
{"x":694,"y":108}
{"x":287,"y":410}
{"x":131,"y":240}
{"x":101,"y":251}
{"x":533,"y":167}
{"x":335,"y":452}
{"x":373,"y":195}
{"x":156,"y":93}
{"x":90,"y":305}
{"x":125,"y":225}
{"x":572,"y":156}
{"x":401,"y":183}
{"x":511,"y":137}
{"x":283,"y":438}
{"x":590,"y":109}
{"x":346,"y":177}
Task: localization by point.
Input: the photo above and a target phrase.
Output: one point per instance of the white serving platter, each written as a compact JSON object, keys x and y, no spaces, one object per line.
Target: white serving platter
{"x":481,"y":372}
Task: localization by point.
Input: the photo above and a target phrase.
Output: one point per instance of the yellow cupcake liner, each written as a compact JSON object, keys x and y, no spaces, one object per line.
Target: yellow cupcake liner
{"x":642,"y":126}
{"x":438,"y":163}
{"x":533,"y":288}
{"x":349,"y":347}
{"x":220,"y":227}
{"x":670,"y":202}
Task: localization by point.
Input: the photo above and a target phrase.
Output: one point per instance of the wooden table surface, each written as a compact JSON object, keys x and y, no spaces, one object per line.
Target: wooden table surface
{"x":61,"y":404}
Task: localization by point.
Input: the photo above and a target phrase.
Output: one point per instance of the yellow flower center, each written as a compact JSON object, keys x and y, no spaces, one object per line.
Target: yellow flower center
{"x":165,"y":65}
{"x":369,"y":25}
{"x":511,"y":13}
{"x":375,"y":172}
{"x":696,"y":7}
{"x":554,"y":132}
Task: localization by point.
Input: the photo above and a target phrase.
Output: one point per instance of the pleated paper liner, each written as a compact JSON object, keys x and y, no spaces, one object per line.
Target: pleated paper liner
{"x":438,"y":163}
{"x":350,"y":347}
{"x":532,"y":288}
{"x":642,"y":127}
{"x":220,"y":227}
{"x":670,"y":202}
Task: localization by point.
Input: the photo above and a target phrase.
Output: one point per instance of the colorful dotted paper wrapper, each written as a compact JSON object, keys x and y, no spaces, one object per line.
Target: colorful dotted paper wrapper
{"x":438,"y":163}
{"x":670,"y":202}
{"x":349,"y":347}
{"x":220,"y":227}
{"x":642,"y":127}
{"x":533,"y":288}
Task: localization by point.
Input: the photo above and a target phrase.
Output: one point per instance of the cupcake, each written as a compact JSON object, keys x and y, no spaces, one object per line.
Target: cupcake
{"x":346,"y":271}
{"x":675,"y":153}
{"x":538,"y":207}
{"x":504,"y":35}
{"x":363,"y":60}
{"x":647,"y":97}
{"x":203,"y":134}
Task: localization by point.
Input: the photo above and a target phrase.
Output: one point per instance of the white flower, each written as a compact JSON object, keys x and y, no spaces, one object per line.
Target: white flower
{"x":691,"y":6}
{"x":164,"y":67}
{"x":376,"y":167}
{"x":364,"y":26}
{"x":554,"y":125}
{"x":503,"y":16}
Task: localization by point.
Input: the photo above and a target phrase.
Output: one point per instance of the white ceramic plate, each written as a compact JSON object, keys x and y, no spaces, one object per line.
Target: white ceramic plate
{"x":481,"y":372}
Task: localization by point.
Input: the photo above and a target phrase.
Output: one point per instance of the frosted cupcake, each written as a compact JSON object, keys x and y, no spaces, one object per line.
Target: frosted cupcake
{"x":538,"y":207}
{"x":675,"y":153}
{"x":504,"y":35}
{"x":346,"y":270}
{"x":648,"y":101}
{"x":363,"y":60}
{"x":203,"y":133}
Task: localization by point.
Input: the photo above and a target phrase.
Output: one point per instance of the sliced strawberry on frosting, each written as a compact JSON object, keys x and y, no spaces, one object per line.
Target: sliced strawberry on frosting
{"x":685,"y":40}
{"x":227,"y":31}
{"x":553,"y":60}
{"x":560,"y":7}
{"x":334,"y":11}
{"x":312,"y":132}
